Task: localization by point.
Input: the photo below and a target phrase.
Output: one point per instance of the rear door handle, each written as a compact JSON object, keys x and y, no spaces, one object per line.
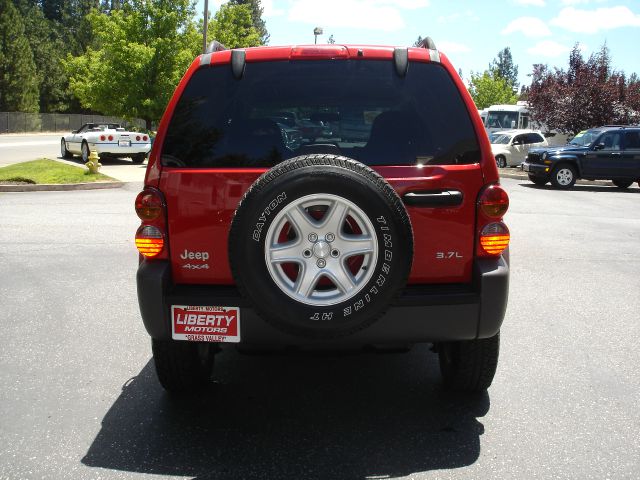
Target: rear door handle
{"x":434,"y":198}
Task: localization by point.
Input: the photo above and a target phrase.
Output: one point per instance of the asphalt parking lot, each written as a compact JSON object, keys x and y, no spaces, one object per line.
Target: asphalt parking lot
{"x":79,"y":397}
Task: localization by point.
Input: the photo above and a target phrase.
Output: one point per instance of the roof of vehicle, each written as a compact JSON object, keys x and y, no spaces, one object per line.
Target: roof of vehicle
{"x":516,"y":131}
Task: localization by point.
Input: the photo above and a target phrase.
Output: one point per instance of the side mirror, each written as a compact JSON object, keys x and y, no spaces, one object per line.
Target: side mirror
{"x":599,"y":146}
{"x":513,"y":124}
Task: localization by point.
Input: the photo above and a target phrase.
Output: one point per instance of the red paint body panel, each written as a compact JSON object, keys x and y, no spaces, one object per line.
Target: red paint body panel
{"x":201,"y":202}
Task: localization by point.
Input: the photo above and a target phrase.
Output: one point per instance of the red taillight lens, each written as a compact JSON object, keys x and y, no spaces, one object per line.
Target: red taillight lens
{"x":494,"y":201}
{"x":102,"y":138}
{"x":110,"y":137}
{"x":138,"y":138}
{"x":494,"y":238}
{"x":148,"y":205}
{"x":145,"y":138}
{"x":149,"y":240}
{"x":319,"y":51}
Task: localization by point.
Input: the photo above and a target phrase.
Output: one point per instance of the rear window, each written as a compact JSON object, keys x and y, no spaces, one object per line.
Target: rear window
{"x":360,"y":109}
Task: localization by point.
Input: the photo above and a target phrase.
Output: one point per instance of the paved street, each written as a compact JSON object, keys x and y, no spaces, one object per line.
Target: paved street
{"x":79,"y":397}
{"x":21,"y":148}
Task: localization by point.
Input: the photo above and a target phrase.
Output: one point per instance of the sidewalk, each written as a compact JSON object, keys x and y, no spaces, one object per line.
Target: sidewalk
{"x":123,"y":170}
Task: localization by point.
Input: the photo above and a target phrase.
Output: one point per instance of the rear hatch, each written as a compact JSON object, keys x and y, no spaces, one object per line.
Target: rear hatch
{"x":414,"y":130}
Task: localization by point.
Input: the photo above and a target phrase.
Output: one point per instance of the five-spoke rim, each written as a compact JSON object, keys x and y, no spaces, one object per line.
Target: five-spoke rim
{"x":321,"y":249}
{"x":564,"y":176}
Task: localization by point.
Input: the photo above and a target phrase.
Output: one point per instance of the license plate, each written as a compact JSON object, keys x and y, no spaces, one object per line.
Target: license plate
{"x":205,"y":324}
{"x":525,"y":168}
{"x":124,"y":143}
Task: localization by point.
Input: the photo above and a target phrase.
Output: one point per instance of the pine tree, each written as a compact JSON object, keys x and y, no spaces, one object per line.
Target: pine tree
{"x":49,"y":49}
{"x":504,"y":67}
{"x":18,"y":80}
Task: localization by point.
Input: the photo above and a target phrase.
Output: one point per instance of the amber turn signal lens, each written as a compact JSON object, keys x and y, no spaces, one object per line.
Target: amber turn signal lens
{"x":494,"y":238}
{"x":494,"y":201}
{"x":148,"y":205}
{"x":149,"y":241}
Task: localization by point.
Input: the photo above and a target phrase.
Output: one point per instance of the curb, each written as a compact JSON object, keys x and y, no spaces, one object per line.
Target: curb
{"x":520,"y":176}
{"x":62,"y":187}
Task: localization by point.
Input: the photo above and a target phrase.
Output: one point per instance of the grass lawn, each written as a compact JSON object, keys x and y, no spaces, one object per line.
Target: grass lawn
{"x":48,"y":171}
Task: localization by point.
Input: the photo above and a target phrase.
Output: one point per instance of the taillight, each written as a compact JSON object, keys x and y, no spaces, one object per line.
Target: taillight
{"x":148,"y":205}
{"x":145,"y":138}
{"x":138,"y":138}
{"x":494,"y":201}
{"x":151,"y":236}
{"x":493,"y":234}
{"x":110,"y":137}
{"x":494,"y":238}
{"x":102,"y":138}
{"x":149,"y":240}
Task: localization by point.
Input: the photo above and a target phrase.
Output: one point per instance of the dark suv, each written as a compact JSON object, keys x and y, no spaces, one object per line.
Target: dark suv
{"x":383,"y":239}
{"x":611,"y":153}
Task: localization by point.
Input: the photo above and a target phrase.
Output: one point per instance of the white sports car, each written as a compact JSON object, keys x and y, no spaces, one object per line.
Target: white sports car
{"x":108,"y":139}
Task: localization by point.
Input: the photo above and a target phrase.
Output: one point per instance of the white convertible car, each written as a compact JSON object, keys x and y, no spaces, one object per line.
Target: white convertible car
{"x":108,"y":139}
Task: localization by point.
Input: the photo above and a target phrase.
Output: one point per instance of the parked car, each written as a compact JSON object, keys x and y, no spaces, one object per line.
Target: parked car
{"x":246,"y":242}
{"x":611,"y":153}
{"x":510,"y":147}
{"x":108,"y":139}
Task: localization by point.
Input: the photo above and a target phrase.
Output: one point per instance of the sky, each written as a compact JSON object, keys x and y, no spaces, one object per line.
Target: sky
{"x":470,"y":33}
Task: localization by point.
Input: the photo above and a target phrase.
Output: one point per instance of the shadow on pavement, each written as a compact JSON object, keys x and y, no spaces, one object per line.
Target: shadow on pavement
{"x":584,"y":188}
{"x":292,"y":417}
{"x":107,"y":161}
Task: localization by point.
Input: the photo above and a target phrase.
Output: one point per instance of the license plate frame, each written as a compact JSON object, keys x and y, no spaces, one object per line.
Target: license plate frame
{"x":124,"y":143}
{"x":198,"y":323}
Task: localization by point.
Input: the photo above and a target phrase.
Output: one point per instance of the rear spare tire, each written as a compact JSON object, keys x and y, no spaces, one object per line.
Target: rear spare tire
{"x":321,"y":245}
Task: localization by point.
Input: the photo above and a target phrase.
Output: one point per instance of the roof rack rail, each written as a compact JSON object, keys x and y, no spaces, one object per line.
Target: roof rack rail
{"x":430,"y":45}
{"x":215,"y":46}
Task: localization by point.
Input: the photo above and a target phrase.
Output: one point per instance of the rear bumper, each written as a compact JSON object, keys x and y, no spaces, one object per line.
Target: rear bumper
{"x":115,"y":149}
{"x":424,"y":313}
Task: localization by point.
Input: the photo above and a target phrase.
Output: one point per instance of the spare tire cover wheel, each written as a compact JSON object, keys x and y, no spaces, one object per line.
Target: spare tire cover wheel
{"x":321,"y":245}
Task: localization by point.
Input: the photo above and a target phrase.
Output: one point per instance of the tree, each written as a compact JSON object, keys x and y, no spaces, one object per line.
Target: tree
{"x":49,"y":50}
{"x":232,"y":26}
{"x":18,"y":81}
{"x":256,"y":18}
{"x":487,"y":90}
{"x":589,"y":93}
{"x":138,"y":55}
{"x":504,"y":67}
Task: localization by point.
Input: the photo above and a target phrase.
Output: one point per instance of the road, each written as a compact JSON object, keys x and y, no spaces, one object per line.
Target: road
{"x":21,"y":148}
{"x":79,"y":398}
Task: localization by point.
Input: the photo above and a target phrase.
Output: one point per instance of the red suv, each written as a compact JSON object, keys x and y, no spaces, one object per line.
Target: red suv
{"x":384,"y":229}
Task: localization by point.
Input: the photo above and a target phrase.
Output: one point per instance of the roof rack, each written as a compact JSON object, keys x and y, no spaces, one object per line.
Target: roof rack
{"x":430,"y":45}
{"x":215,"y":46}
{"x":238,"y":59}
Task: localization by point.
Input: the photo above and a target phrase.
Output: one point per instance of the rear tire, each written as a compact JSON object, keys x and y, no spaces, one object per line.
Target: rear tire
{"x":563,"y":176}
{"x":469,"y":365}
{"x":540,"y":181}
{"x":182,"y":366}
{"x":84,"y":152}
{"x":501,"y":162}
{"x":622,"y":183}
